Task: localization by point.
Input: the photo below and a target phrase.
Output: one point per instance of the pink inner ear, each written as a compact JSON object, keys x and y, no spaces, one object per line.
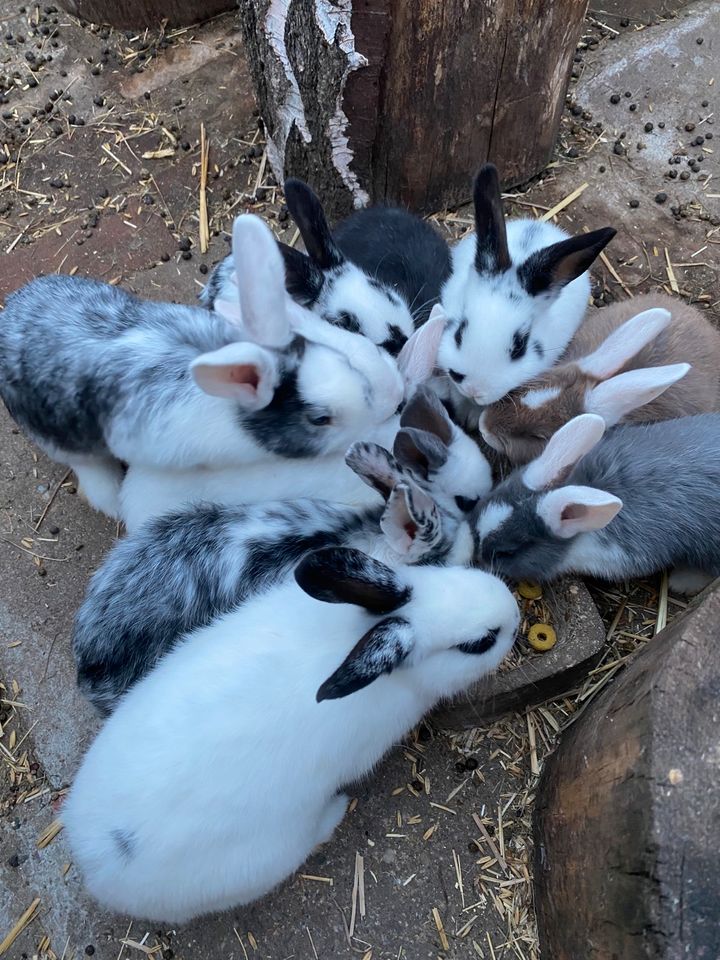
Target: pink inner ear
{"x":574,"y":511}
{"x":243,"y":373}
{"x":410,"y":529}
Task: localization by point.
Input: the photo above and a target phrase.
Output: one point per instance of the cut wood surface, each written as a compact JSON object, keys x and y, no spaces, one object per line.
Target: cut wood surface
{"x":627,"y":819}
{"x":401,"y":102}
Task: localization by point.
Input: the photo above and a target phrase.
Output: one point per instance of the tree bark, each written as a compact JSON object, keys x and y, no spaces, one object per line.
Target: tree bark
{"x":132,"y":14}
{"x":627,"y":818}
{"x":400,"y":102}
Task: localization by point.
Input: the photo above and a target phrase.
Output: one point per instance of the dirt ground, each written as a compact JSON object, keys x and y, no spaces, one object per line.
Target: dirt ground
{"x":99,"y":174}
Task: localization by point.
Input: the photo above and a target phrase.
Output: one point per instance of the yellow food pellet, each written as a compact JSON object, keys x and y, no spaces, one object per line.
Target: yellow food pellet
{"x":541,"y":636}
{"x":529,"y":591}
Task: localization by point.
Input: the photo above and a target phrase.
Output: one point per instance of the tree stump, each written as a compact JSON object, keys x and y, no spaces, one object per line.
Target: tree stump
{"x":401,"y":101}
{"x":146,"y":13}
{"x":627,"y":817}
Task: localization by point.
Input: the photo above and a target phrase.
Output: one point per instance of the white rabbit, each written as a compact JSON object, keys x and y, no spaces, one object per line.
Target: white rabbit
{"x":515,"y":297}
{"x":169,"y":819}
{"x":97,"y":376}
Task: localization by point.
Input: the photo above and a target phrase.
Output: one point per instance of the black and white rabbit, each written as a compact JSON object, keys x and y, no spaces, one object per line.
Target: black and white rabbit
{"x":640,"y":499}
{"x":378,"y":273}
{"x":516,"y":295}
{"x":150,"y":492}
{"x":182,"y":570}
{"x":96,"y":376}
{"x":169,"y":819}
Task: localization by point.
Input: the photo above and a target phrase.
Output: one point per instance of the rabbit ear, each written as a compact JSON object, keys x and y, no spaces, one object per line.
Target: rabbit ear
{"x":616,"y":397}
{"x":624,"y":343}
{"x":345,"y":575}
{"x":379,"y":651}
{"x":416,"y":361}
{"x":564,"y":448}
{"x":260,"y":276}
{"x":572,"y":510}
{"x":411,"y":521}
{"x":550,"y":269}
{"x":307,"y":212}
{"x":424,"y":411}
{"x":375,"y":465}
{"x":419,"y":451}
{"x":491,"y":247}
{"x":303,"y":280}
{"x":243,"y":372}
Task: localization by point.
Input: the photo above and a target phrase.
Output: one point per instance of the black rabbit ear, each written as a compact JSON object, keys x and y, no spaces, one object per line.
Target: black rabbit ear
{"x":303,"y":280}
{"x":491,"y":250}
{"x":307,"y":212}
{"x":375,"y":465}
{"x":424,"y":411}
{"x":551,"y":268}
{"x":419,"y":452}
{"x":344,"y":575}
{"x":379,"y":651}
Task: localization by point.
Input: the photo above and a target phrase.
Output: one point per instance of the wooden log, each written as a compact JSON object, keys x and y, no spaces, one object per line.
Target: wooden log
{"x":401,"y":102}
{"x":538,"y":676}
{"x":137,"y":14}
{"x":627,"y":817}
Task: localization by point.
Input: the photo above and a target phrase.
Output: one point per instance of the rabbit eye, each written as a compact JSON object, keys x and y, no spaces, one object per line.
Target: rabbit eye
{"x":519,"y":345}
{"x":321,"y":420}
{"x":457,"y":377}
{"x":466,"y":504}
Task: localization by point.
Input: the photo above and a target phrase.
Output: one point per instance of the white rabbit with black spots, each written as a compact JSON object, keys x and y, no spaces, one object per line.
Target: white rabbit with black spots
{"x":516,"y":295}
{"x":379,"y":273}
{"x":169,"y":820}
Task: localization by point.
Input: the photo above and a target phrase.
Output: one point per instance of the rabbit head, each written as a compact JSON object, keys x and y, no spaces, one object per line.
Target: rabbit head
{"x":455,"y":622}
{"x":520,"y":424}
{"x":525,"y":527}
{"x":504,"y":327}
{"x":341,"y":292}
{"x":301,"y":387}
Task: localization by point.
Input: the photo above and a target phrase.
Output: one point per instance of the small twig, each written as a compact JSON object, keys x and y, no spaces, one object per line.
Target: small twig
{"x":52,"y":498}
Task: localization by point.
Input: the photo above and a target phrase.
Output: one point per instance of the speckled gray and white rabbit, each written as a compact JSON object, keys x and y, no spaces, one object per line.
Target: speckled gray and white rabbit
{"x":169,"y":819}
{"x":379,"y":272}
{"x":183,"y":570}
{"x":651,"y":358}
{"x":97,"y":377}
{"x":641,"y":499}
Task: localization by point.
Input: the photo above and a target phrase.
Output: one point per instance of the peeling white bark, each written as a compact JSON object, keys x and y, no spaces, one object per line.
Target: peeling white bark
{"x":291,"y":110}
{"x":334,"y":19}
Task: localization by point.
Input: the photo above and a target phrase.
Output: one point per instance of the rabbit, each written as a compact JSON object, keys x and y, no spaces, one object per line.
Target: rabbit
{"x":147,"y":493}
{"x":182,"y":570}
{"x":626,"y":363}
{"x":167,"y":386}
{"x":322,"y":676}
{"x":643,"y":499}
{"x":379,"y":273}
{"x":516,"y":295}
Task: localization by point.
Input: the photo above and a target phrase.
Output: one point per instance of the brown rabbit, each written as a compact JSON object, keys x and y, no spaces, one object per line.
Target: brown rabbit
{"x":651,"y":358}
